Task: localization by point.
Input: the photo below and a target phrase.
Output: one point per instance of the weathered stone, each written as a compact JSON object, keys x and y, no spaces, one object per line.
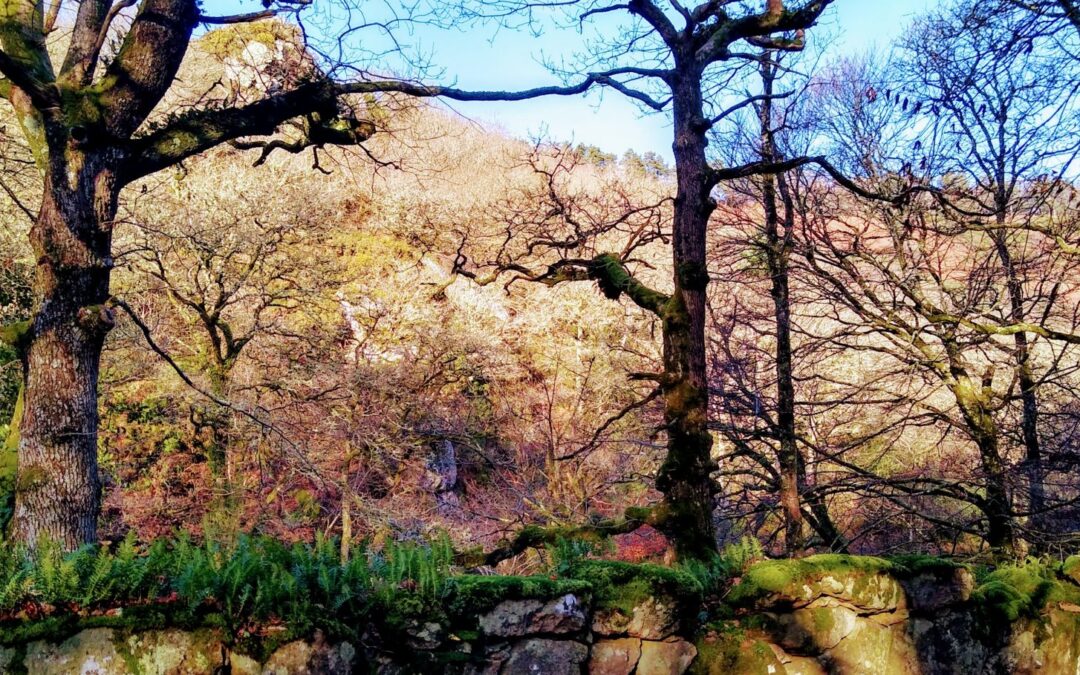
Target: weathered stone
{"x":516,"y":618}
{"x":614,"y":657}
{"x":794,"y":665}
{"x":241,"y":664}
{"x":669,"y":657}
{"x":815,"y":629}
{"x":9,"y":660}
{"x":162,"y":652}
{"x":651,"y":619}
{"x":804,"y":665}
{"x":428,"y":635}
{"x":303,"y":658}
{"x":871,"y":648}
{"x":890,"y":618}
{"x":932,"y":592}
{"x":91,"y":652}
{"x":546,"y":657}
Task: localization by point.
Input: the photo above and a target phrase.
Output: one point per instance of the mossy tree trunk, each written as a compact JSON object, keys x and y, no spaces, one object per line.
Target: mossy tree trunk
{"x":58,"y":490}
{"x":973,"y":399}
{"x":704,"y":40}
{"x":685,"y":476}
{"x":1026,"y":382}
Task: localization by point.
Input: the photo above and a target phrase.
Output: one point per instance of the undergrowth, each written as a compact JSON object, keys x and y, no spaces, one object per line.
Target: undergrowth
{"x":252,"y":581}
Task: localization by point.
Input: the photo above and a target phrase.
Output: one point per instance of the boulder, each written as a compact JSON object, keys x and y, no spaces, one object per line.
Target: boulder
{"x":816,"y":629}
{"x":175,"y":651}
{"x":517,"y":618}
{"x":932,"y":592}
{"x":91,"y":652}
{"x":654,"y":618}
{"x":317,"y":657}
{"x":427,"y":635}
{"x":667,"y":657}
{"x":614,"y":657}
{"x":546,"y":657}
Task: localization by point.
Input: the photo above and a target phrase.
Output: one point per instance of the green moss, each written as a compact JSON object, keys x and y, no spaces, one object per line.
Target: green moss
{"x":17,"y":665}
{"x":1071,"y":568}
{"x":733,"y":653}
{"x":16,"y":334}
{"x":32,"y":478}
{"x":614,"y":279}
{"x":131,"y":661}
{"x":623,"y":586}
{"x":823,"y":619}
{"x":1024,"y":590}
{"x":469,"y":595}
{"x":788,"y":577}
{"x":9,"y":464}
{"x":906,"y":566}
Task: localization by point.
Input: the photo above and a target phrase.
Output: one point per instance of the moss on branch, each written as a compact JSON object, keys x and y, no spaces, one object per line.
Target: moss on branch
{"x":614,"y":280}
{"x":535,"y":536}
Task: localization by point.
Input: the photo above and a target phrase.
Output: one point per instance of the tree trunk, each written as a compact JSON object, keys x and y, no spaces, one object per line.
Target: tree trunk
{"x":1001,"y":531}
{"x":776,"y":255}
{"x":684,"y":478}
{"x":1025,"y":378}
{"x":58,"y":489}
{"x":997,"y":507}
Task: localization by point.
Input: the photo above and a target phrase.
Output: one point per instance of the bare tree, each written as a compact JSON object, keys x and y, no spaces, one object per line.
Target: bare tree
{"x":679,"y":59}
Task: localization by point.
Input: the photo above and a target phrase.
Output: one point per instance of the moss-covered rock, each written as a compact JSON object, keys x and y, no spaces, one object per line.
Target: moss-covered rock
{"x":514,"y":618}
{"x":865,"y":582}
{"x":473,"y":595}
{"x":91,"y":651}
{"x":170,"y":651}
{"x":644,"y":601}
{"x":733,"y":652}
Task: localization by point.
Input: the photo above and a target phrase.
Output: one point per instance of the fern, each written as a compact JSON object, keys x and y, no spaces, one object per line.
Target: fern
{"x":15,"y":581}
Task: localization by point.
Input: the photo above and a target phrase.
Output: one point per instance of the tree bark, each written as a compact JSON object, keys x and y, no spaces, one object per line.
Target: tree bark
{"x":996,"y":505}
{"x":684,"y":477}
{"x":58,"y":490}
{"x":777,"y":250}
{"x":1029,"y":422}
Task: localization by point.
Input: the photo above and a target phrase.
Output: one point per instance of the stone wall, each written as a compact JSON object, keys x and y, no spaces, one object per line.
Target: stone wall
{"x":805,"y":618}
{"x":828,"y":614}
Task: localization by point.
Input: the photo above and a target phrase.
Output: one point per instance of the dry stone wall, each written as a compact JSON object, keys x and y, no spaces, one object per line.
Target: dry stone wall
{"x":820,"y":615}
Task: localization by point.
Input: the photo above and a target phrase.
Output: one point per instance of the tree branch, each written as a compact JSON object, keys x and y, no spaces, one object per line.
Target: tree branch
{"x":534,"y":536}
{"x":201,"y":130}
{"x":614,"y":279}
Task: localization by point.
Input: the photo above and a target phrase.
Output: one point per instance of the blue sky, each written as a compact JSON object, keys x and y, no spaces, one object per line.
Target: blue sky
{"x":474,"y":61}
